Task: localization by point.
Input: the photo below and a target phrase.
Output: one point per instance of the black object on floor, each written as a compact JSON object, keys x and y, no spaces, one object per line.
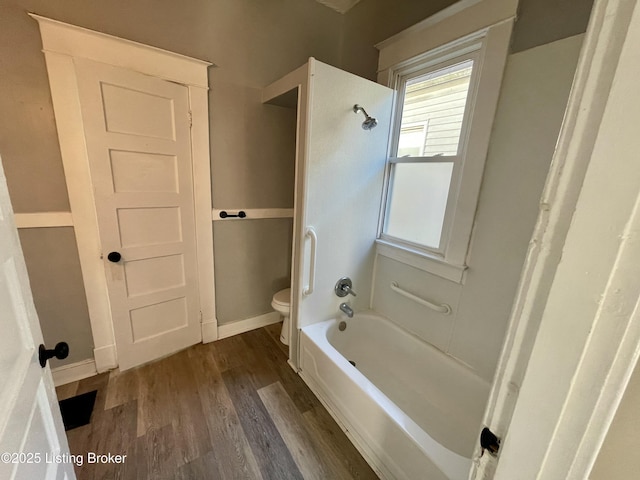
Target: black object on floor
{"x":76,"y":411}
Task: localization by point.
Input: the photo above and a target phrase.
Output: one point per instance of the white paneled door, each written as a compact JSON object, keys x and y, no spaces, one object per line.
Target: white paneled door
{"x":32,"y":438}
{"x":137,"y":132}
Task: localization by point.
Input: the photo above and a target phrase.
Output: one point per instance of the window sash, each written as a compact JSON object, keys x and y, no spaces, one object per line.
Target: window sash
{"x":402,"y":78}
{"x":429,"y":159}
{"x":440,"y":249}
{"x":412,"y":245}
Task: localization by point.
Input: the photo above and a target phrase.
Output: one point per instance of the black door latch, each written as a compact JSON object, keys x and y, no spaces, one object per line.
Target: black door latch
{"x":489,"y":442}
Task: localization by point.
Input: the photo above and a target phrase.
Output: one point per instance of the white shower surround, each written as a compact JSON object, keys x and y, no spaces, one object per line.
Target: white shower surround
{"x":412,"y":411}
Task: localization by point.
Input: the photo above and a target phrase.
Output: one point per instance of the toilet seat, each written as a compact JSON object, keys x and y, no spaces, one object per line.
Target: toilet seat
{"x":282,"y":298}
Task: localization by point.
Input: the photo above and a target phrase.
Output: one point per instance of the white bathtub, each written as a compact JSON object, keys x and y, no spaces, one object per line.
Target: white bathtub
{"x":413,"y":411}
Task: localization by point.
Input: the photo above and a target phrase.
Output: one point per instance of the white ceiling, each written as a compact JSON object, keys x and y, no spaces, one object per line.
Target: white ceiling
{"x":339,"y":5}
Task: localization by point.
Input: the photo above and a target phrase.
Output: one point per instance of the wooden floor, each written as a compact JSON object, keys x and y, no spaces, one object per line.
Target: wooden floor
{"x":229,"y":409}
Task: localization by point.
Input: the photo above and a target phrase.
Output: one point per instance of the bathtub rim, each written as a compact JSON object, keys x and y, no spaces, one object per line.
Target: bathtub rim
{"x":450,"y":463}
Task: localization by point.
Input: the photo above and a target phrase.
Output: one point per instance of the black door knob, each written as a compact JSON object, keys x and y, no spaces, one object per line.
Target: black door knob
{"x":114,"y":257}
{"x":61,"y":351}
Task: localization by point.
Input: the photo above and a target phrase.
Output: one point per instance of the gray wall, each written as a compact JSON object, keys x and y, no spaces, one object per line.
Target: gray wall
{"x":545,"y":21}
{"x":251,"y":273}
{"x":253,"y":160}
{"x":372,"y":21}
{"x":253,"y":43}
{"x":58,"y":292}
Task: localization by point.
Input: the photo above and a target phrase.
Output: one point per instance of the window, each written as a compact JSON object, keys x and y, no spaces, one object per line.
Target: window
{"x":432,"y":115}
{"x":444,"y":108}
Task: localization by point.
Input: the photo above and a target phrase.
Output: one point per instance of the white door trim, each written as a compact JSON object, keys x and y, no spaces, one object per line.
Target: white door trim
{"x":61,"y":43}
{"x":43,"y":219}
{"x":79,"y":42}
{"x":593,"y":364}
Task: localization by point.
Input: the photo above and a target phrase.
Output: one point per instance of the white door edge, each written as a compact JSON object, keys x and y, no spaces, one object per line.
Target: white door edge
{"x":602,"y":47}
{"x":61,"y":43}
{"x":31,"y":426}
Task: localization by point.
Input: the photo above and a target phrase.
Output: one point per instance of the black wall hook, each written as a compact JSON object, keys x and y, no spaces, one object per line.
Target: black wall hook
{"x":224,"y":214}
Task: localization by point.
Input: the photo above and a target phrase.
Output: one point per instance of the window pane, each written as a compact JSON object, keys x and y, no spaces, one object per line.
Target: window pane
{"x":418,"y":202}
{"x":436,"y":101}
{"x":411,"y":141}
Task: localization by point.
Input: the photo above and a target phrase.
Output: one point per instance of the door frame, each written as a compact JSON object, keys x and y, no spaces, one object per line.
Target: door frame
{"x":61,"y":44}
{"x":559,"y":382}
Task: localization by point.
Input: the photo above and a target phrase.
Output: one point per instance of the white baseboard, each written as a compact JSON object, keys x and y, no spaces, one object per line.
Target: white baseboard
{"x":209,"y":330}
{"x":106,"y":358}
{"x":252,"y":323}
{"x":293,"y":367}
{"x":73,"y":372}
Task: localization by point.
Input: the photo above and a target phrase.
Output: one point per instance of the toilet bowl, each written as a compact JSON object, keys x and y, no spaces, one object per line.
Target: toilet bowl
{"x":281,"y":304}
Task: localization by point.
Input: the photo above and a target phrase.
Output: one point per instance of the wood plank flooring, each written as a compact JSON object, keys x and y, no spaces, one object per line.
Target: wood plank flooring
{"x":232,"y":409}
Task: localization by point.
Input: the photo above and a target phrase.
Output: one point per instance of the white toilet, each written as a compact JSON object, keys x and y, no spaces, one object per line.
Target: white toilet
{"x":281,"y":303}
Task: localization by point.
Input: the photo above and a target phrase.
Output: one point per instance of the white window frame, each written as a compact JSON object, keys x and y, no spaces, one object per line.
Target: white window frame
{"x":404,"y":75}
{"x":488,"y":49}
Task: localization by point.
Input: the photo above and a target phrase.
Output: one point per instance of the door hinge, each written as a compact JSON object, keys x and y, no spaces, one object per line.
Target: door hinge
{"x":200,"y":317}
{"x":489,"y":442}
{"x":190,"y":119}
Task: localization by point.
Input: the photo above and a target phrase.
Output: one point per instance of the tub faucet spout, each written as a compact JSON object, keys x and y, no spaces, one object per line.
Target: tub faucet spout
{"x":346,"y":309}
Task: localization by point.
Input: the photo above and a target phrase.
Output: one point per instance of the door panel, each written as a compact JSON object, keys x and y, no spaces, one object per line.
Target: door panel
{"x":143,"y":172}
{"x":137,"y":113}
{"x":149,"y":226}
{"x":30,"y":420}
{"x":138,"y":142}
{"x":161,"y":317}
{"x":154,"y":274}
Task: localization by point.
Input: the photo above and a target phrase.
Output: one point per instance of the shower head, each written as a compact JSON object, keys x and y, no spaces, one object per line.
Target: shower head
{"x":369,"y":122}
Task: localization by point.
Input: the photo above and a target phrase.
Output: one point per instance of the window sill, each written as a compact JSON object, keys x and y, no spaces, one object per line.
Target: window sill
{"x":422,"y":260}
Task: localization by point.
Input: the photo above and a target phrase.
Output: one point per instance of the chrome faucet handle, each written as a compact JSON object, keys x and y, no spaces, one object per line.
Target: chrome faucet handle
{"x":349,"y":290}
{"x":343,"y":287}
